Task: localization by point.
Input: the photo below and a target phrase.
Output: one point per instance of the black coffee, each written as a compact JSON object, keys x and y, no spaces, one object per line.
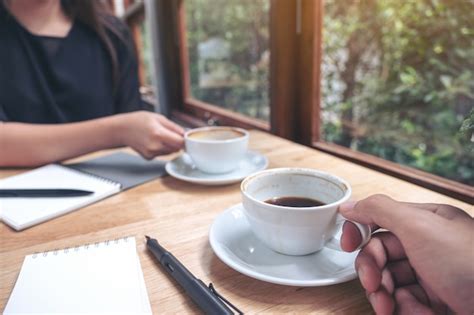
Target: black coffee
{"x":297,"y":202}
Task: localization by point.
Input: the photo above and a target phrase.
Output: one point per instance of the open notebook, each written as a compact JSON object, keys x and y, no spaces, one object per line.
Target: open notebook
{"x":99,"y":278}
{"x":104,"y":176}
{"x":21,"y":213}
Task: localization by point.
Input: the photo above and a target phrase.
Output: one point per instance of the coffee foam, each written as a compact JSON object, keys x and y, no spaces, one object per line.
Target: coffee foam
{"x":216,"y":134}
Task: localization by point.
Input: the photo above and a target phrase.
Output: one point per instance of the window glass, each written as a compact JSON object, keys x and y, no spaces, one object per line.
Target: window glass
{"x":229,"y":56}
{"x":398,"y":82}
{"x":146,"y":53}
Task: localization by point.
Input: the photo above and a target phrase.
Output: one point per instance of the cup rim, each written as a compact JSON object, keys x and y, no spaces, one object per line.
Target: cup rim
{"x":296,"y":170}
{"x":241,"y":130}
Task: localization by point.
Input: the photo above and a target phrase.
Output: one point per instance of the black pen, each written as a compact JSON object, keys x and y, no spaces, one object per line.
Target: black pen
{"x":205,"y":297}
{"x":43,"y":193}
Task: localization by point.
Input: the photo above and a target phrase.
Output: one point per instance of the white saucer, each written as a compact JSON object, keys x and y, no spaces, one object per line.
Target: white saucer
{"x":235,"y":244}
{"x":183,"y":168}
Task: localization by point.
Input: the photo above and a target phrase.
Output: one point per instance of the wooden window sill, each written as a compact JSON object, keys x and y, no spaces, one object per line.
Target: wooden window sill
{"x":436,"y":183}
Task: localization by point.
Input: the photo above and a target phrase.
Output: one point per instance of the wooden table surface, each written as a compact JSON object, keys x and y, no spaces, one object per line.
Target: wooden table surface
{"x":179,"y":215}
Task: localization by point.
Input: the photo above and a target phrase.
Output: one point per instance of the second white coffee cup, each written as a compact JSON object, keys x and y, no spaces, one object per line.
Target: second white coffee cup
{"x":216,"y":149}
{"x":294,"y":230}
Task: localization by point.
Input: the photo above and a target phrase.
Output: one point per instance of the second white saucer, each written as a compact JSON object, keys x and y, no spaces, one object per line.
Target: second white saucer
{"x":183,"y":168}
{"x":235,"y":244}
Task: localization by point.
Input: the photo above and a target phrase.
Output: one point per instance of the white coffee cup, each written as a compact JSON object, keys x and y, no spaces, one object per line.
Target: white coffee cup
{"x":216,"y":149}
{"x":297,"y":230}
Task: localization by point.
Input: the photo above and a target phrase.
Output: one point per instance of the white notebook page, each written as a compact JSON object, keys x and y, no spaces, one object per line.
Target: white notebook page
{"x":21,"y":213}
{"x":100,"y":278}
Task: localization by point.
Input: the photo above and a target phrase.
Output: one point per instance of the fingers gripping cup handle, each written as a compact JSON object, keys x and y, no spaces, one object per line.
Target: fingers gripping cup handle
{"x":335,"y":242}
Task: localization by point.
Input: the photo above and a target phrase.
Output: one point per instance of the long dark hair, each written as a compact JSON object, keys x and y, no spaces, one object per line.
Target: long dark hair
{"x":95,"y":15}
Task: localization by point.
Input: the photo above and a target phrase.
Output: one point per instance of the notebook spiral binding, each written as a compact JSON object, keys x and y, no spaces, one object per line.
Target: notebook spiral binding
{"x":66,"y":250}
{"x":92,"y":175}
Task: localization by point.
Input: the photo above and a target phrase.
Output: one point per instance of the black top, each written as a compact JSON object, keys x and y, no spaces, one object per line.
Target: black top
{"x":63,"y":79}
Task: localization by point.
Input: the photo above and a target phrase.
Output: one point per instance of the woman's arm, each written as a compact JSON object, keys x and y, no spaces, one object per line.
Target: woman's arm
{"x":147,"y":133}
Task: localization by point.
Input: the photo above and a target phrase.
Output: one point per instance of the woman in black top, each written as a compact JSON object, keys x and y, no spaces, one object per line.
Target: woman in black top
{"x":69,"y":86}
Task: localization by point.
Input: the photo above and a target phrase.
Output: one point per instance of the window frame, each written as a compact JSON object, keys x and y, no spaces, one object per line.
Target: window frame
{"x":295,"y":88}
{"x":421,"y":178}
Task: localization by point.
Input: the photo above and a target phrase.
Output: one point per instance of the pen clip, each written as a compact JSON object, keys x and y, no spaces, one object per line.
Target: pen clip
{"x":223,"y":299}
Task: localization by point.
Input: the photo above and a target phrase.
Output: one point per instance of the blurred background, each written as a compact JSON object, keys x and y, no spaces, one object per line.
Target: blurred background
{"x":396,"y":77}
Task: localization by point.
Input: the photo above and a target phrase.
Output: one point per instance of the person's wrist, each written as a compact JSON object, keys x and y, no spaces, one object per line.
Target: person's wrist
{"x":117,"y":129}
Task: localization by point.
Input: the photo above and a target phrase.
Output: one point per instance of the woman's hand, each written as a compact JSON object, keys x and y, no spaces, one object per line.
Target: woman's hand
{"x":149,"y":134}
{"x":423,"y":265}
{"x":30,"y":145}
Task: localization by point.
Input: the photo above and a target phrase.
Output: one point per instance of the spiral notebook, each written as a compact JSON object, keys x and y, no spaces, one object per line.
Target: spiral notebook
{"x":21,"y":213}
{"x":99,"y":278}
{"x":104,"y":176}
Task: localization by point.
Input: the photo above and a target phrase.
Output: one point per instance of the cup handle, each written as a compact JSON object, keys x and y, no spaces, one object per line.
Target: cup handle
{"x":335,"y":242}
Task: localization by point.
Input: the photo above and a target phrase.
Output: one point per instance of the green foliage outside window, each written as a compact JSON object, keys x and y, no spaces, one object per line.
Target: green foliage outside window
{"x":397,"y":76}
{"x":228,"y":47}
{"x":398,"y":82}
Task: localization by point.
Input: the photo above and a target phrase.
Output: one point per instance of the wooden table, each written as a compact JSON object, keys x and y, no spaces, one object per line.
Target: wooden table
{"x":179,"y":215}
